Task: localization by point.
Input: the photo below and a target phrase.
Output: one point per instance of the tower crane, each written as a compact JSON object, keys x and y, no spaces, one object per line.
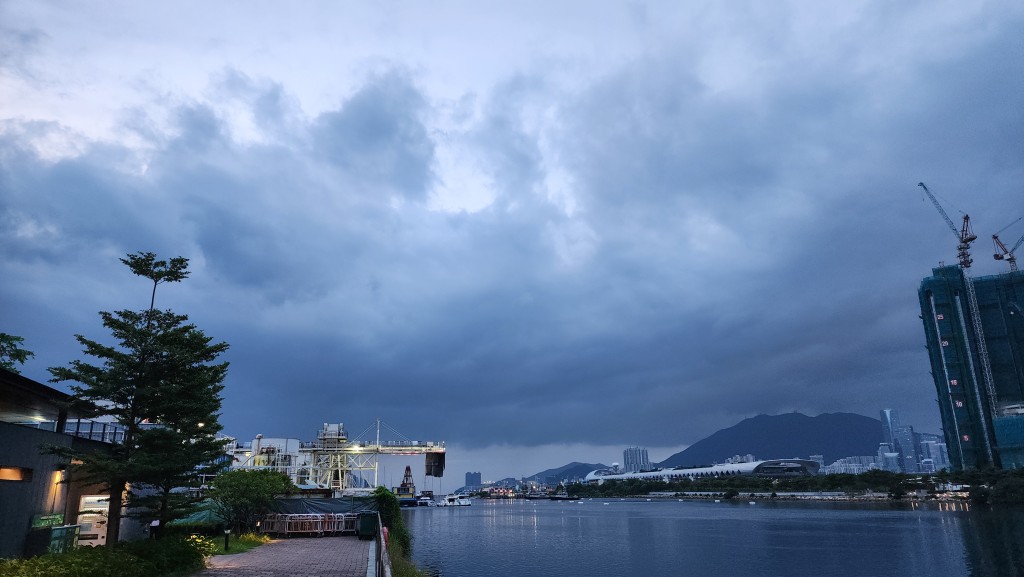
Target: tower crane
{"x":1004,"y":253}
{"x":965,"y":237}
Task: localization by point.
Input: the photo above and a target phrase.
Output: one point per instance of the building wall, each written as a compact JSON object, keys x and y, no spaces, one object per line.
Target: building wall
{"x":42,"y":495}
{"x":964,"y":403}
{"x":1010,"y":435}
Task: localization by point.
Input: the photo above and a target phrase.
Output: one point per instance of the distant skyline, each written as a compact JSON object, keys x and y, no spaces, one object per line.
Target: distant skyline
{"x":539,"y":232}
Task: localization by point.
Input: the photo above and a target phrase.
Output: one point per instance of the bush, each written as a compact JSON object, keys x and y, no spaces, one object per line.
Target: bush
{"x":135,"y":559}
{"x":82,"y":562}
{"x":207,"y":528}
{"x":1009,"y":489}
{"x":391,"y":516}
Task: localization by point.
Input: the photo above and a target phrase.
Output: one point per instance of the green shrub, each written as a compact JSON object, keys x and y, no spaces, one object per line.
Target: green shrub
{"x":82,"y":562}
{"x":391,"y":516}
{"x":135,"y":559}
{"x":208,"y":528}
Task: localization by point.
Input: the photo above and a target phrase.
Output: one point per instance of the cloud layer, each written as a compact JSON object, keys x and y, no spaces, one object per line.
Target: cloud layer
{"x":634,"y":228}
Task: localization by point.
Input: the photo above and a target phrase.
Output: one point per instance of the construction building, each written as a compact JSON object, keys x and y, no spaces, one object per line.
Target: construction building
{"x":974,"y":331}
{"x":978,"y":367}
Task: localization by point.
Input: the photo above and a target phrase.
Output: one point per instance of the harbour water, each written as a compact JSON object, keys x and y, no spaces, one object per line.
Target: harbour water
{"x":617,"y":538}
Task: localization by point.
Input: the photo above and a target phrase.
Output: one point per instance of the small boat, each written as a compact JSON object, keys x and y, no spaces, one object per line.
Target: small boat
{"x":563,"y":496}
{"x":455,"y":500}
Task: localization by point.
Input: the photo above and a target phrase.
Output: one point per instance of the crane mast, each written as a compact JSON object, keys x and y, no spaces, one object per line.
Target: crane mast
{"x":966,"y":236}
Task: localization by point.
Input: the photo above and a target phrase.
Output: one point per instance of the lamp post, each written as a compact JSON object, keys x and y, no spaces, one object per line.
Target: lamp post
{"x":227,"y":534}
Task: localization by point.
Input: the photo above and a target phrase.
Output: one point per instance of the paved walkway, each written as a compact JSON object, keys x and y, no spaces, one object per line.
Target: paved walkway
{"x":297,"y":557}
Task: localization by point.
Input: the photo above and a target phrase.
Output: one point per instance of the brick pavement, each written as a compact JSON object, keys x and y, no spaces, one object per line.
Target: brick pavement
{"x":296,"y":557}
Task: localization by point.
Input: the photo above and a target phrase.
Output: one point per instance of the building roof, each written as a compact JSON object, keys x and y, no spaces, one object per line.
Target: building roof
{"x":23,"y":400}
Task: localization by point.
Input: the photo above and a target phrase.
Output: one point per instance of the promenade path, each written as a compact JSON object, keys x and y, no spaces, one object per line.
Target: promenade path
{"x":302,"y":557}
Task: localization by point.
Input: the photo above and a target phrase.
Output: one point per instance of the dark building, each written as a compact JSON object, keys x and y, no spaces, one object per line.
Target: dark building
{"x":473,"y":480}
{"x":38,"y":495}
{"x":973,"y":397}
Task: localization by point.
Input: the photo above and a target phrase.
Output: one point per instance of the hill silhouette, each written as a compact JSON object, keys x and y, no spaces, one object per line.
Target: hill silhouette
{"x":790,"y":435}
{"x":574,"y":470}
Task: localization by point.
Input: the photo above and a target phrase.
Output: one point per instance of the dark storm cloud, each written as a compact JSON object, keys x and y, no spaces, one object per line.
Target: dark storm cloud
{"x":378,"y":137}
{"x":662,"y":257}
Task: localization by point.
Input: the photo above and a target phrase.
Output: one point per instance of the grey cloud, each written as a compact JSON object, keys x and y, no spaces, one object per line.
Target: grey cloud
{"x":377,"y":137}
{"x":747,"y":256}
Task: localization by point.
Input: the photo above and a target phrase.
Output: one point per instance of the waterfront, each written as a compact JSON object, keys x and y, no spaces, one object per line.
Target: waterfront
{"x":611,"y":537}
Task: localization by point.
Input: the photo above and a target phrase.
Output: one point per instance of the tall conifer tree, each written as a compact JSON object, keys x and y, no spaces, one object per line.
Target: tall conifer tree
{"x":161,"y":385}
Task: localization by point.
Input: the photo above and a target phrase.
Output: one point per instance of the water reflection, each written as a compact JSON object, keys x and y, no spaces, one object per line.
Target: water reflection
{"x":994,"y":542}
{"x":593,"y":539}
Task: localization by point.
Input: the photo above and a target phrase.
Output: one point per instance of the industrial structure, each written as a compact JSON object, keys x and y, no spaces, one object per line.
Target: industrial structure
{"x":333,"y":465}
{"x":773,"y":468}
{"x":974,"y":331}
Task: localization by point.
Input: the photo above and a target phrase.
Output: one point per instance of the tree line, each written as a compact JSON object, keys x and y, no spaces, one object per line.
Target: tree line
{"x":991,"y":485}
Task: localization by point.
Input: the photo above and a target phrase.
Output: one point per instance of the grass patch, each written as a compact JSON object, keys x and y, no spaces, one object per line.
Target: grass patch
{"x":241,"y":543}
{"x":401,"y":566}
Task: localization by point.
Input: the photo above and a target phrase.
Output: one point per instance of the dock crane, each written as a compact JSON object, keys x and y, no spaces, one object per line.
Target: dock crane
{"x":965,"y":237}
{"x":1004,"y":253}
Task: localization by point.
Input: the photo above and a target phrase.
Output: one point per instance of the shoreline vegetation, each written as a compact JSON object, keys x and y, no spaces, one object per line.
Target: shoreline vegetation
{"x":978,"y":487}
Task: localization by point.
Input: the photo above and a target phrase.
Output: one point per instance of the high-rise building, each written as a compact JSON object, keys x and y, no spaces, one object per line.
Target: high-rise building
{"x":635,"y":459}
{"x":890,"y":420}
{"x":973,"y":396}
{"x":906,"y":447}
{"x":473,"y":480}
{"x":935,"y":452}
{"x":888,"y":459}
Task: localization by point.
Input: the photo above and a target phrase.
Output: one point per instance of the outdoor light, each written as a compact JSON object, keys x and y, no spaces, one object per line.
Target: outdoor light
{"x":227,"y":533}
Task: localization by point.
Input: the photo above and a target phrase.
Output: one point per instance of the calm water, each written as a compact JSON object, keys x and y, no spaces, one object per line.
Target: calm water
{"x":613,"y":538}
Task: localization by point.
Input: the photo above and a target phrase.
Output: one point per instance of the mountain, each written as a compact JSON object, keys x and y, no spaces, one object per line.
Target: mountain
{"x":791,"y":435}
{"x":574,"y":470}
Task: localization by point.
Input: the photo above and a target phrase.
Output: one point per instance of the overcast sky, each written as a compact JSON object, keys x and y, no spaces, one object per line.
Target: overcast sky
{"x":541,"y":232}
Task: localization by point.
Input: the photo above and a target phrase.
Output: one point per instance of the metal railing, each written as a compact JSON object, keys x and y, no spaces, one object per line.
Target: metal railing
{"x":383,"y":565}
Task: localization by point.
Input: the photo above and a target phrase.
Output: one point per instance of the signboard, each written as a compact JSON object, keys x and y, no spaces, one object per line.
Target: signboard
{"x":52,"y":520}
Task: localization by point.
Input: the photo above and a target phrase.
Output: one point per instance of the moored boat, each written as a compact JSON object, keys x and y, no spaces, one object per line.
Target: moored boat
{"x":455,"y":500}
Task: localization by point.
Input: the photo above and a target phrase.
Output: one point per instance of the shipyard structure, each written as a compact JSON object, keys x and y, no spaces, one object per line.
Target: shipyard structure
{"x":333,"y":465}
{"x":974,"y":330}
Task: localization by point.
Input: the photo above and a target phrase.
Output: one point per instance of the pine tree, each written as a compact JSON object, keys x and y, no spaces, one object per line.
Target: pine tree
{"x":11,"y":352}
{"x":160,"y":384}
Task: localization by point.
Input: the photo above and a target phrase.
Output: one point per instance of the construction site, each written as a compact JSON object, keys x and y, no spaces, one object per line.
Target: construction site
{"x":334,"y":465}
{"x":974,"y":331}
